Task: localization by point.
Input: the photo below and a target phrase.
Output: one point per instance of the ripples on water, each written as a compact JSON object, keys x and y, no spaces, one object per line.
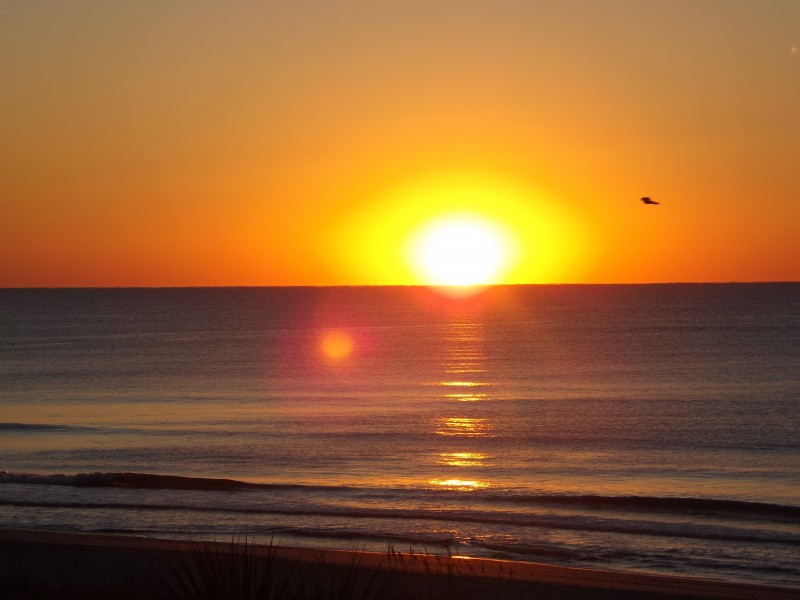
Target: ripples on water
{"x":632,"y":427}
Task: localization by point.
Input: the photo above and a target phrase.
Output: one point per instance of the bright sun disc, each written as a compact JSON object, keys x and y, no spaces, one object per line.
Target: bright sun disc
{"x":460,"y":250}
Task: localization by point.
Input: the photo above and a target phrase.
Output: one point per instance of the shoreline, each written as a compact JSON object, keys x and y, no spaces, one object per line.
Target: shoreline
{"x":125,"y":560}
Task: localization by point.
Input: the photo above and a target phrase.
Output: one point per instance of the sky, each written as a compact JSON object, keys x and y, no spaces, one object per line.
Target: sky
{"x":309,"y":142}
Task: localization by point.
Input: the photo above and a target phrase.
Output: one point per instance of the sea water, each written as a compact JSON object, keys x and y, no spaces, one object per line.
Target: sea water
{"x":648,"y":428}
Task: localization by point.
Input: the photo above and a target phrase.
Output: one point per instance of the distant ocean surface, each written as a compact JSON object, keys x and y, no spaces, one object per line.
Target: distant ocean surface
{"x":648,"y":428}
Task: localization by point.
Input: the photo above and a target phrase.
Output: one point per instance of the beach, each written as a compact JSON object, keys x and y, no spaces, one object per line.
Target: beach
{"x":116,"y":565}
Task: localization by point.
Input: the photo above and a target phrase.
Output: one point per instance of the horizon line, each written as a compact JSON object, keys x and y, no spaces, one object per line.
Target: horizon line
{"x":390,"y":285}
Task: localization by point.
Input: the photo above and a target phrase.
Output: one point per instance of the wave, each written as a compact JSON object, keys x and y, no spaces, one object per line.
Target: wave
{"x":727,"y":532}
{"x":646,"y":504}
{"x":33,"y":427}
{"x":670,"y":504}
{"x":277,"y":532}
{"x":150,"y":481}
{"x":130,"y":480}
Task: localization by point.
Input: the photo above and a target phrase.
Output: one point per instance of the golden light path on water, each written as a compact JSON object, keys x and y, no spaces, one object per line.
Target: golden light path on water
{"x":464,"y":385}
{"x":464,"y":459}
{"x":464,"y":427}
{"x":465,"y":359}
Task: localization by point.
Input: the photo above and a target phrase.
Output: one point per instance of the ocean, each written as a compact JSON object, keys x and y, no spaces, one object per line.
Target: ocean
{"x":636,"y":428}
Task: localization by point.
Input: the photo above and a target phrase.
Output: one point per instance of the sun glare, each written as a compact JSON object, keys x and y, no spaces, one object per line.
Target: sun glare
{"x":458,"y":230}
{"x":460,"y":250}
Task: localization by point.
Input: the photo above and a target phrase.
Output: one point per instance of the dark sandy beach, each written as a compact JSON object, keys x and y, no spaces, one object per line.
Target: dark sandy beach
{"x":112,"y":566}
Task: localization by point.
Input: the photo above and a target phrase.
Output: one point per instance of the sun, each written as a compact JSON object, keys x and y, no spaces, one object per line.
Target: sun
{"x":459,"y":229}
{"x":460,"y":250}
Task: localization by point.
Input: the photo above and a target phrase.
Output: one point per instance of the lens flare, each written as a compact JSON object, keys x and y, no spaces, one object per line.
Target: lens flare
{"x":336,"y":345}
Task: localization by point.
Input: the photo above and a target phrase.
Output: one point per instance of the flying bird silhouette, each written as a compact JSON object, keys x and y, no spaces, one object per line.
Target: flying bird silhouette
{"x":647,"y":200}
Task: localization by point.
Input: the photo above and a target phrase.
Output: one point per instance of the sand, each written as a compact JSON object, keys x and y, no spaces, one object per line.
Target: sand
{"x":115,"y":565}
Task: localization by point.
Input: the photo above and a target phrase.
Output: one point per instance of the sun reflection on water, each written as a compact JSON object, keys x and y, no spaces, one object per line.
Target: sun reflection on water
{"x":459,"y":484}
{"x":466,"y":397}
{"x":463,"y":459}
{"x":465,"y":379}
{"x":464,"y":427}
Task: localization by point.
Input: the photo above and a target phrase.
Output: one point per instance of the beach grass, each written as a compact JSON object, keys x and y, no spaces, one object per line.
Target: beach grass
{"x":239,"y":570}
{"x":38,"y":565}
{"x":244,"y":570}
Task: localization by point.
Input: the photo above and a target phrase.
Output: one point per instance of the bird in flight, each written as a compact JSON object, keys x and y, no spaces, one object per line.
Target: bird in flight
{"x":648,"y":200}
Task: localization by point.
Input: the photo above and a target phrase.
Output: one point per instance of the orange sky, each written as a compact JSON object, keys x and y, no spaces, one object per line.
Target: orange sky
{"x":304,"y":143}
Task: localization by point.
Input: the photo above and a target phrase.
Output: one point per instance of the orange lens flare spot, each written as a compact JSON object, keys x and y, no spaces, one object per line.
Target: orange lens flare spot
{"x":336,"y":345}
